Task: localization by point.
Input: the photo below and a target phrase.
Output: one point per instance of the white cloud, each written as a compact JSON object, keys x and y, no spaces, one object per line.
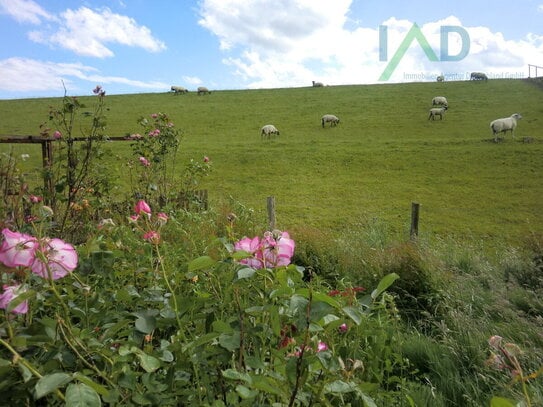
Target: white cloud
{"x":48,"y":76}
{"x":192,"y":80}
{"x":25,"y":11}
{"x":296,"y":41}
{"x":84,"y":31}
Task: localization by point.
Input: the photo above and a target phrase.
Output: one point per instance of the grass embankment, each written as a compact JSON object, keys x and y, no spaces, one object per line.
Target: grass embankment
{"x":383,"y":155}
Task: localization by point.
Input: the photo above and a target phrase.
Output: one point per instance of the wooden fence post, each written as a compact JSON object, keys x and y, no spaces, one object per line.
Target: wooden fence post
{"x":271,"y":212}
{"x":414,"y":220}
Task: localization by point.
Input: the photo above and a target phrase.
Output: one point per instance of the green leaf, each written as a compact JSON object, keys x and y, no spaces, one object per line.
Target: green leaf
{"x":355,"y":314}
{"x":88,"y":381}
{"x":385,"y":282}
{"x":202,"y":263}
{"x":148,"y":363}
{"x":317,"y":296}
{"x":501,"y":402}
{"x":146,"y":321}
{"x":246,"y":393}
{"x":339,"y":387}
{"x":233,"y":374}
{"x":230,"y":341}
{"x":50,"y":383}
{"x":246,"y":273}
{"x":81,"y":395}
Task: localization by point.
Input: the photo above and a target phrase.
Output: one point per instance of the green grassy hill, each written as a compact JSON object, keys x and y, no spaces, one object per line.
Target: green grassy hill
{"x":384,"y":154}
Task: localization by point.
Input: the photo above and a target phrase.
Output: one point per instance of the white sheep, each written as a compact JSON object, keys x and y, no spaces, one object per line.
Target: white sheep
{"x":329,"y":118}
{"x":440,"y":78}
{"x":317,"y":84}
{"x":202,"y":90}
{"x":504,"y":124}
{"x":268,"y":130}
{"x":478,"y":76}
{"x":179,"y":89}
{"x":440,"y":101}
{"x":437,"y":111}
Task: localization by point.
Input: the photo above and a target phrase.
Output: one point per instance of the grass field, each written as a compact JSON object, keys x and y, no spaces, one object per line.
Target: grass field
{"x":384,"y":154}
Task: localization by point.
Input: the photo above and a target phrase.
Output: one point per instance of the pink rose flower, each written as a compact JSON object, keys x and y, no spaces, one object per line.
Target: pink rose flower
{"x":10,"y":293}
{"x":321,"y":346}
{"x":279,"y":251}
{"x":152,"y":236}
{"x":57,"y":134}
{"x":144,"y":161}
{"x":162,"y":217}
{"x":17,"y":249}
{"x":142,"y":207}
{"x":343,"y":328}
{"x":250,"y":246}
{"x":60,"y":259}
{"x":35,"y":199}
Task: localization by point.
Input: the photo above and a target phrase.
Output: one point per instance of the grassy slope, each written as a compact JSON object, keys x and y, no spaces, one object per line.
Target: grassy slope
{"x":383,"y":155}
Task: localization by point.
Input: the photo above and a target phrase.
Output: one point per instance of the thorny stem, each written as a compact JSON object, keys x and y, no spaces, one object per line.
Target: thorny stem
{"x":170,"y":289}
{"x":302,"y":351}
{"x":62,"y":325}
{"x":241,"y":362}
{"x":17,"y":358}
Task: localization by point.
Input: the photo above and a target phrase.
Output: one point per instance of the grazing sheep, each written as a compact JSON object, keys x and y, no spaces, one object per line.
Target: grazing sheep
{"x":317,"y":84}
{"x":440,"y":78}
{"x":202,"y":90}
{"x":179,"y":89}
{"x":268,"y":130}
{"x":437,"y":111}
{"x":478,"y":76}
{"x":329,"y":118}
{"x":504,"y":124}
{"x":440,"y":101}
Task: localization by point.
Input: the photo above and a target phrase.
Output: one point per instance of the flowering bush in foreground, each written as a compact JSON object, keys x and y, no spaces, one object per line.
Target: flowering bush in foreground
{"x":240,"y":328}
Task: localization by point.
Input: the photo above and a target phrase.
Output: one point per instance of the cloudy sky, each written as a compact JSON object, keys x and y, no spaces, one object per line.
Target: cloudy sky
{"x":135,"y":46}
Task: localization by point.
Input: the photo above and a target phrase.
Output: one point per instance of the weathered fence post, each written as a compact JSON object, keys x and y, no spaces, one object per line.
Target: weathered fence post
{"x":414,"y":220}
{"x":271,"y":211}
{"x":47,"y":163}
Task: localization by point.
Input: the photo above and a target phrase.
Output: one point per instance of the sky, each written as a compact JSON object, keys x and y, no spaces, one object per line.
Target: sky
{"x":54,"y":47}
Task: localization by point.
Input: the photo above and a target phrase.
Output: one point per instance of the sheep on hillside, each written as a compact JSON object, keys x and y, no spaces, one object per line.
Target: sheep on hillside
{"x":202,"y":90}
{"x":478,"y":76}
{"x":440,"y":101}
{"x":440,"y":78}
{"x":329,"y":118}
{"x":179,"y":89}
{"x":268,"y":130}
{"x":317,"y":84}
{"x":437,"y":111}
{"x":504,"y":124}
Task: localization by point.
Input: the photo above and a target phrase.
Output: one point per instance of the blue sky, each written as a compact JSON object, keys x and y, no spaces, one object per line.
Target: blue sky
{"x":137,"y":46}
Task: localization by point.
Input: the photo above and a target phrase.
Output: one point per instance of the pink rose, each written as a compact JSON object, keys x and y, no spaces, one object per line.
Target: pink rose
{"x":321,"y":346}
{"x":152,"y":236}
{"x":60,"y":259}
{"x":144,"y":161}
{"x":250,"y":246}
{"x":57,"y":134}
{"x":18,"y":249}
{"x":142,"y":207}
{"x":10,"y":293}
{"x":278,"y":252}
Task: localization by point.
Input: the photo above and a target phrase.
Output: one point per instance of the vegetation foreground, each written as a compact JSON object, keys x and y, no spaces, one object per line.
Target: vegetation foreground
{"x":122,"y":287}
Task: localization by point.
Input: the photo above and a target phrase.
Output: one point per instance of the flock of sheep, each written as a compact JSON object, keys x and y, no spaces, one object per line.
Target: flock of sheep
{"x":269,"y":130}
{"x":497,"y":126}
{"x":439,"y":106}
{"x":202,"y":90}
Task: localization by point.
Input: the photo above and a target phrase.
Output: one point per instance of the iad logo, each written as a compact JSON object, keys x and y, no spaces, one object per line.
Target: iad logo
{"x":415,"y":33}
